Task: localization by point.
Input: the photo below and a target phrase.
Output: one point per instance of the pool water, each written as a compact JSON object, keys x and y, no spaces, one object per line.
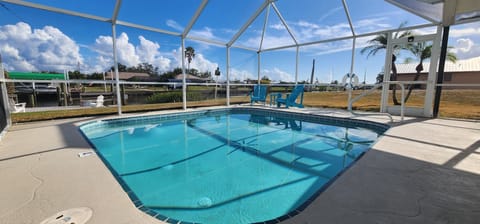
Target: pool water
{"x":228,"y":167}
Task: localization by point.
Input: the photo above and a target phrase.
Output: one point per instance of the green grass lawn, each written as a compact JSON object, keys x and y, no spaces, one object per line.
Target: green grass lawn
{"x":455,"y":104}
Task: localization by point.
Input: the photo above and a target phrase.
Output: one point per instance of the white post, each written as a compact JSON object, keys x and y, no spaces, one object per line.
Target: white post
{"x":104,"y":83}
{"x":386,"y":74}
{"x":117,"y":80}
{"x":5,"y":97}
{"x":228,"y":75}
{"x":296,"y":66}
{"x":351,"y":74}
{"x":432,"y":74}
{"x":67,"y":90}
{"x":258,"y":67}
{"x":64,"y":87}
{"x":216,"y":85}
{"x":184,"y":79}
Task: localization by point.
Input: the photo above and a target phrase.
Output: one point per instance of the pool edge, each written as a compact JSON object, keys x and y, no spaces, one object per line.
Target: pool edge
{"x":379,"y":128}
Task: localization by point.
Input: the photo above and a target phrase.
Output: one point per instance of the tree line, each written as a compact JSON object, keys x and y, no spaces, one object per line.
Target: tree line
{"x":146,"y":68}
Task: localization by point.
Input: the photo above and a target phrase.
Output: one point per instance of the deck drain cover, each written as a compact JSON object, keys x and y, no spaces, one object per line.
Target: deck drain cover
{"x":70,"y":216}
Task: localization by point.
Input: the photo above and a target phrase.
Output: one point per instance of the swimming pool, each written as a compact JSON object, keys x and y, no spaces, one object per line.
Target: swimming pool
{"x":236,"y":165}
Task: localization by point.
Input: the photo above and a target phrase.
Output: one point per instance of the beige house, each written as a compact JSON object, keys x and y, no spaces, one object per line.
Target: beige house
{"x":462,"y":72}
{"x":126,"y":75}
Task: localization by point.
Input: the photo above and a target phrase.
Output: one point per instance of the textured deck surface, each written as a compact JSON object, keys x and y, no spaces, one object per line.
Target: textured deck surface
{"x":421,"y":171}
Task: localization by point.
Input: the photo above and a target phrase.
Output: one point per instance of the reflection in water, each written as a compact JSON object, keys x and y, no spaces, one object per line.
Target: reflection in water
{"x":289,"y":123}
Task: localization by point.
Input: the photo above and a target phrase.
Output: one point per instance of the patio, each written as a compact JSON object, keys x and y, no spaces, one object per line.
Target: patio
{"x":409,"y":176}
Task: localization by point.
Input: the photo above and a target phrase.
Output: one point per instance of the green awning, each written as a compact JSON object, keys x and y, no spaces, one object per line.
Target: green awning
{"x":35,"y":76}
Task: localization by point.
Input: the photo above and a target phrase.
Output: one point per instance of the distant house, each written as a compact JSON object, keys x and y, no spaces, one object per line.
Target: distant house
{"x":127,"y":76}
{"x":462,"y":72}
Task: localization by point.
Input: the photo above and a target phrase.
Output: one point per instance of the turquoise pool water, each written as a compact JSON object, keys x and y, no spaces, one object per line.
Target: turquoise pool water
{"x":226,"y":167}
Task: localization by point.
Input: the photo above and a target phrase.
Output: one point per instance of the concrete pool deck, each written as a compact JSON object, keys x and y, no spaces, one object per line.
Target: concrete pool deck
{"x":420,"y":171}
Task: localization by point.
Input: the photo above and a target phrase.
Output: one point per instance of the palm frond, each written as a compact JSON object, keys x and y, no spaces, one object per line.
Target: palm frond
{"x":450,"y":55}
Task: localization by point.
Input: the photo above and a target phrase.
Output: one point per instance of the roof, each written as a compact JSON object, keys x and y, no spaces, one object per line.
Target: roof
{"x":468,"y":65}
{"x":126,"y":75}
{"x":35,"y":76}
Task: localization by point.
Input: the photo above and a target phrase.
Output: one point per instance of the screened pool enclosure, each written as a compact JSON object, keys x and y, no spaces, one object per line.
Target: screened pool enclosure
{"x":236,"y":44}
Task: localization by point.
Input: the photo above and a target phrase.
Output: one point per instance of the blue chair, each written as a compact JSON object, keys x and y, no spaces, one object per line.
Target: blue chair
{"x":259,"y":94}
{"x":290,"y":99}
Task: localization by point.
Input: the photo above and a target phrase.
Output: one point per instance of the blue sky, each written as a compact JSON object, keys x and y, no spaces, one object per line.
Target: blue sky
{"x":33,"y":40}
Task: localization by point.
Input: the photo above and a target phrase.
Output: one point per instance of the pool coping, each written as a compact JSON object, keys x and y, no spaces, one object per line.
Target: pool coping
{"x":377,"y":127}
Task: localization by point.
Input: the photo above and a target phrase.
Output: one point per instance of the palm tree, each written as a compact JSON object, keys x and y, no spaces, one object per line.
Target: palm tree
{"x":423,"y":51}
{"x":189,"y":54}
{"x":379,"y":43}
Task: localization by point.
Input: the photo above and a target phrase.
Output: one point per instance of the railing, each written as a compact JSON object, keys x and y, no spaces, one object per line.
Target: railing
{"x":223,"y":90}
{"x":377,"y":86}
{"x":402,"y":99}
{"x":370,"y":91}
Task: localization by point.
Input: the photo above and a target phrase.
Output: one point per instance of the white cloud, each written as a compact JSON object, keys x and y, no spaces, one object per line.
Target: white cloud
{"x":306,"y":24}
{"x":277,"y":26}
{"x":277,"y":74}
{"x":465,"y":40}
{"x":24,"y":49}
{"x":205,"y":33}
{"x":173,"y":24}
{"x":200,"y":63}
{"x":125,"y":50}
{"x":462,"y":32}
{"x":236,"y":74}
{"x":128,"y":54}
{"x":269,"y":41}
{"x":465,"y":48}
{"x":45,"y":49}
{"x":464,"y":45}
{"x":306,"y":31}
{"x":147,"y":50}
{"x":373,"y":24}
{"x":333,"y":47}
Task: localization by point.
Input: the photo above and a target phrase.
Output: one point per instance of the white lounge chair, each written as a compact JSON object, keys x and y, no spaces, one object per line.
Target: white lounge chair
{"x":16,"y":107}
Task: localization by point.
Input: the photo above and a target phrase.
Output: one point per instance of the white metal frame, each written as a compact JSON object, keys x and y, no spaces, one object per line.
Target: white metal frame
{"x":432,"y":75}
{"x":231,"y":43}
{"x":4,"y":95}
{"x":115,"y":57}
